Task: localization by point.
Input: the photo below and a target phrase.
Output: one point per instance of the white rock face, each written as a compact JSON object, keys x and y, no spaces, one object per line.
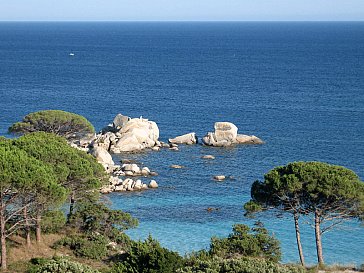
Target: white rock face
{"x":102,"y":156}
{"x":137,"y":134}
{"x":226,"y":134}
{"x":225,"y":131}
{"x":188,"y":139}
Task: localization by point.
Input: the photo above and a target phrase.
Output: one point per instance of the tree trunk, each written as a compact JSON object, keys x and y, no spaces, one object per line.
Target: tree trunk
{"x":27,"y":226}
{"x":320,"y":257}
{"x":3,"y":239}
{"x":72,"y":205}
{"x":298,"y":238}
{"x":38,"y":230}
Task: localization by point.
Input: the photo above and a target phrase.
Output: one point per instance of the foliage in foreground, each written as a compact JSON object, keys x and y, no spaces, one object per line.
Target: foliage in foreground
{"x":59,"y":265}
{"x":240,"y":265}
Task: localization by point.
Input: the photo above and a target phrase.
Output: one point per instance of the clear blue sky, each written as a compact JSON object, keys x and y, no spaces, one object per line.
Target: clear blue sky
{"x":182,"y":10}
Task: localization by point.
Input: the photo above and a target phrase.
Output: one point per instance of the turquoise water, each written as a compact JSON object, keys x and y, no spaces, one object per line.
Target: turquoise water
{"x":298,"y":86}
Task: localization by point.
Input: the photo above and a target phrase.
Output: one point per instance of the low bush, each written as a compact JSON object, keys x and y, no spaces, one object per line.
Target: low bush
{"x":240,"y":265}
{"x":255,"y":242}
{"x":59,"y":265}
{"x":92,"y":246}
{"x":148,"y":257}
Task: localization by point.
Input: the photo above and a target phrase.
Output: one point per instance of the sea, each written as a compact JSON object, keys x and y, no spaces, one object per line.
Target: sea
{"x":299,"y":86}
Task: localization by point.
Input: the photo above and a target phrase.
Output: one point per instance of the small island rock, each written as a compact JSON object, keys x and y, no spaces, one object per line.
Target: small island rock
{"x":219,"y":177}
{"x":153,"y":184}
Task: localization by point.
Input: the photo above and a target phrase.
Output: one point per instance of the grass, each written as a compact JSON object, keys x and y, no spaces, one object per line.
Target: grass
{"x":19,"y":254}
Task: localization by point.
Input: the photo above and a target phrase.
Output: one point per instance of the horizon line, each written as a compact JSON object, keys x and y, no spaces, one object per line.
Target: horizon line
{"x":173,"y":21}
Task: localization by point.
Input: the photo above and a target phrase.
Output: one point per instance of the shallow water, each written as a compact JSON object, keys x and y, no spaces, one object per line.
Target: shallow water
{"x":298,"y":86}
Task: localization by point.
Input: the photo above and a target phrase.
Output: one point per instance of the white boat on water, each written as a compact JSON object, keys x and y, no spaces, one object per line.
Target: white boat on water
{"x":72,"y":54}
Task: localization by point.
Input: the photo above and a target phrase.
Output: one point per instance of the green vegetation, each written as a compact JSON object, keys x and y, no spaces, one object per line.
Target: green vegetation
{"x":241,"y":265}
{"x":68,"y":125}
{"x":59,"y":265}
{"x":25,"y":185}
{"x":331,"y":193}
{"x":39,"y":172}
{"x":92,"y":246}
{"x":75,"y":170}
{"x":255,"y":242}
{"x":148,"y":257}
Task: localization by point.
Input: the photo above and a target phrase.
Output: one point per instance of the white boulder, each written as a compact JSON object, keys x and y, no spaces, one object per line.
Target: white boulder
{"x":153,"y":184}
{"x":102,"y":156}
{"x":188,"y":139}
{"x":137,"y":134}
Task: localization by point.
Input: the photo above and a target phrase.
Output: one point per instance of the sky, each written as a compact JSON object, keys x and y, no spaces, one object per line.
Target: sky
{"x":181,"y":10}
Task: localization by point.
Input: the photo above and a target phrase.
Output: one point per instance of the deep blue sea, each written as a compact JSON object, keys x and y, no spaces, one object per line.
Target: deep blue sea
{"x":298,"y":86}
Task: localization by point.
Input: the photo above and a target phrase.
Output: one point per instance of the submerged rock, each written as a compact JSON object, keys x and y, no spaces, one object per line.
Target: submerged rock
{"x":208,"y":157}
{"x":177,"y":166}
{"x":219,"y":177}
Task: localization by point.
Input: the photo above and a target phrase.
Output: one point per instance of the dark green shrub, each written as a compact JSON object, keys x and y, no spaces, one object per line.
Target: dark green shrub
{"x":97,"y":217}
{"x":59,"y":265}
{"x":66,"y":124}
{"x":53,"y":221}
{"x":255,"y":242}
{"x":92,"y":246}
{"x":148,"y":257}
{"x":252,"y":207}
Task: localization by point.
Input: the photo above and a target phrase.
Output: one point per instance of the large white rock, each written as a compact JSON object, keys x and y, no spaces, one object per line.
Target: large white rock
{"x":102,"y":156}
{"x":225,"y":131}
{"x":188,"y":139}
{"x":137,"y":134}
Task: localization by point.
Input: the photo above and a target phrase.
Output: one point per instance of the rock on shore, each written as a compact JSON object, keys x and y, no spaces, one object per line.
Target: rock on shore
{"x":103,"y":157}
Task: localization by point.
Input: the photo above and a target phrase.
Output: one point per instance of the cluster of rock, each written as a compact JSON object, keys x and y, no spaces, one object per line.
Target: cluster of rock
{"x":226,"y":134}
{"x":127,"y":134}
{"x":118,"y":185}
{"x":134,"y":170}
